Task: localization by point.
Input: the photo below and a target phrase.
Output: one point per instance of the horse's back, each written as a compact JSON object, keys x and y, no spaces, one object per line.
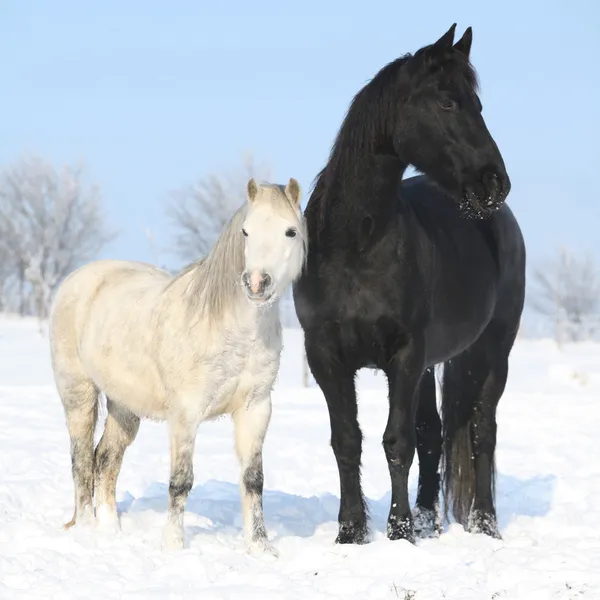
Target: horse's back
{"x":499,"y":235}
{"x":478,"y":265}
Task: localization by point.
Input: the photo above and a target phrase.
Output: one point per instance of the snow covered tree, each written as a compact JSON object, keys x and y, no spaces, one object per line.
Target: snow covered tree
{"x":50,"y":223}
{"x":567,"y":289}
{"x":199,"y":212}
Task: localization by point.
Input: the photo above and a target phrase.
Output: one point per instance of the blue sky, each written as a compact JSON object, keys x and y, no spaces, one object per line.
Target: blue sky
{"x":153,"y":95}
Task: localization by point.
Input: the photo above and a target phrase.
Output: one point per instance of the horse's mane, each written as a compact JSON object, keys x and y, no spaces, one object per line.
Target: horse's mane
{"x":368,"y":127}
{"x":214,"y":279}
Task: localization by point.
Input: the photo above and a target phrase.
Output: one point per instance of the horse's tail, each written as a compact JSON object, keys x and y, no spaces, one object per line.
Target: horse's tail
{"x":458,"y":470}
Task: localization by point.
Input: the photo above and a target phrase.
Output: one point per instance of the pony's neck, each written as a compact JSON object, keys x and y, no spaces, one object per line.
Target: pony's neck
{"x":199,"y":308}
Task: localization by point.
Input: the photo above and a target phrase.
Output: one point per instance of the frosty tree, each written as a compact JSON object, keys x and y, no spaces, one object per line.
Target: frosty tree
{"x":567,"y":289}
{"x":199,"y":212}
{"x":50,"y":223}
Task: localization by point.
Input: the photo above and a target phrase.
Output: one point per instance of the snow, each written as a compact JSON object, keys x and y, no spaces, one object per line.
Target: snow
{"x":547,"y":497}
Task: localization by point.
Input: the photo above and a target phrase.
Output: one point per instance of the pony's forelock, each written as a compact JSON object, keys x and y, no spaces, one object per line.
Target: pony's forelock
{"x":214,"y":280}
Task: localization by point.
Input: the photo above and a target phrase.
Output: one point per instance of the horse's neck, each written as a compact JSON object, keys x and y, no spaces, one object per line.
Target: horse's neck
{"x":366,"y":190}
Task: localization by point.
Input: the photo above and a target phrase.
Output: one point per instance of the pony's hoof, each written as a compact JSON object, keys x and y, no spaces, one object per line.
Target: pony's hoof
{"x":481,"y":522}
{"x":427,"y":523}
{"x":83,"y":519}
{"x":352,"y":532}
{"x":400,"y":529}
{"x":262,"y":547}
{"x":173,"y":538}
{"x":107,"y":519}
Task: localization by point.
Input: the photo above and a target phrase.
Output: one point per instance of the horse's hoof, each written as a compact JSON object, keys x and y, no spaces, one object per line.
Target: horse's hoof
{"x":486,"y":523}
{"x":427,"y":523}
{"x":400,"y":529}
{"x":352,"y":533}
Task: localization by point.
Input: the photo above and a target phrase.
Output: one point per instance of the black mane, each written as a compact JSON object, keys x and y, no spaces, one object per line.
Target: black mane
{"x":368,"y":127}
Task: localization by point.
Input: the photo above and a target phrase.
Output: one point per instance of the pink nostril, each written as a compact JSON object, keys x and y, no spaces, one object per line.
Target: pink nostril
{"x":255,"y":281}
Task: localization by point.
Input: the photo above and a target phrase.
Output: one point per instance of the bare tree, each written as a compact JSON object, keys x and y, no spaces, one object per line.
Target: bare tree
{"x":49,"y":225}
{"x":567,"y":289}
{"x":199,"y":212}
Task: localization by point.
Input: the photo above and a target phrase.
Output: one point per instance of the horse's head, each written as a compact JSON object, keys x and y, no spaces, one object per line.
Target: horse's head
{"x":275,"y":240}
{"x":441,"y":131}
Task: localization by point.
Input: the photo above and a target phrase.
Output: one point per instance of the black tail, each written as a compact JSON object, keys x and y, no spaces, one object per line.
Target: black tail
{"x":458,"y":469}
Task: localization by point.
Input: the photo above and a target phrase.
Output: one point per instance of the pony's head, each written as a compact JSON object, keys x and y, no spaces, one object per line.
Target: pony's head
{"x":275,"y":240}
{"x":440,"y":129}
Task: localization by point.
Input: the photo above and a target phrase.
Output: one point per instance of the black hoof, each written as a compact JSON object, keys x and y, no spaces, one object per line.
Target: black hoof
{"x":481,"y":522}
{"x":427,"y":522}
{"x":401,"y":529}
{"x":352,"y":533}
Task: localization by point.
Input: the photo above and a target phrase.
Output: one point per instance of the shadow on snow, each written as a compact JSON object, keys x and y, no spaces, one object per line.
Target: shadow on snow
{"x":218,"y":504}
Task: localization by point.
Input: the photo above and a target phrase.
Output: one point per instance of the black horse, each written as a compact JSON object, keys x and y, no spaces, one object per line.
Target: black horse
{"x":404,"y":275}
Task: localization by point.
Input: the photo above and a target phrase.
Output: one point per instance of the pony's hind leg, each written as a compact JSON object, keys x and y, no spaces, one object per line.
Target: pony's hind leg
{"x":80,"y":402}
{"x":251,"y":422}
{"x":426,"y":515}
{"x":119,"y":432}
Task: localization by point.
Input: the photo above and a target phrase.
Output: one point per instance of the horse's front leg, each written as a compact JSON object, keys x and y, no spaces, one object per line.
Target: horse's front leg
{"x":404,"y":374}
{"x":251,"y":422}
{"x":183,"y":438}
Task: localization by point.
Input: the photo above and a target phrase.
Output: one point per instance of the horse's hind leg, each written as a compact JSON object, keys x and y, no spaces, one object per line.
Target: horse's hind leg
{"x":251,"y":423}
{"x":427,"y":518}
{"x":80,"y":401}
{"x":119,"y":432}
{"x":473,"y":385}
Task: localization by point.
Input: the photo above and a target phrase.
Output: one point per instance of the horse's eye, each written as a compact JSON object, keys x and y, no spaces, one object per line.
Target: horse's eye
{"x":448,"y":105}
{"x":291,"y":233}
{"x":245,"y":232}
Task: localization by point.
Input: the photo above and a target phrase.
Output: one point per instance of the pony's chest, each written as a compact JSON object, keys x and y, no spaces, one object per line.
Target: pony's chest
{"x":241,"y":372}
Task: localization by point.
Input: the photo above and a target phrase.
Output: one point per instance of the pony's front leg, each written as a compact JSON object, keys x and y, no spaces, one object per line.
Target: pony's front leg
{"x":183,"y":438}
{"x":251,"y":422}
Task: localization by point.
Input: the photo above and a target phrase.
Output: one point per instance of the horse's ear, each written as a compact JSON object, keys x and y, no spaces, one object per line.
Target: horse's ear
{"x":292,"y":191}
{"x":447,"y":39}
{"x":464,"y":44}
{"x":252,"y":190}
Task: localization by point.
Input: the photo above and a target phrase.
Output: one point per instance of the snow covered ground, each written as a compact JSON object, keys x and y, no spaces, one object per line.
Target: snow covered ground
{"x":548,"y":497}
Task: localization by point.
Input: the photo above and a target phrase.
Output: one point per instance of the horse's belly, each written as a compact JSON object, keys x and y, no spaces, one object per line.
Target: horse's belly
{"x":448,"y":337}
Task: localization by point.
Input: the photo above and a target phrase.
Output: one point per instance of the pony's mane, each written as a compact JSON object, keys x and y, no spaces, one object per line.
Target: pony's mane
{"x":214,"y":279}
{"x":368,"y":127}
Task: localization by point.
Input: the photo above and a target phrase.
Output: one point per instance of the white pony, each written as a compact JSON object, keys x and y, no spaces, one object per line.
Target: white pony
{"x":179,"y":349}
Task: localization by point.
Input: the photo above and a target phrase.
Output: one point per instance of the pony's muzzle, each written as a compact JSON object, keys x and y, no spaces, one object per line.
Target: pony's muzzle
{"x":257,"y":284}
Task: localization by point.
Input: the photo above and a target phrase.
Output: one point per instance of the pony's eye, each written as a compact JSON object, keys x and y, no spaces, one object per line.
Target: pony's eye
{"x":448,"y":105}
{"x":290,"y":233}
{"x":245,"y":232}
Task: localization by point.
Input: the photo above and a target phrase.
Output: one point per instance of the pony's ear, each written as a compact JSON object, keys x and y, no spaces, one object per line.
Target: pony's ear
{"x":447,"y":39}
{"x":252,"y":190}
{"x":464,"y":44}
{"x":292,"y":191}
